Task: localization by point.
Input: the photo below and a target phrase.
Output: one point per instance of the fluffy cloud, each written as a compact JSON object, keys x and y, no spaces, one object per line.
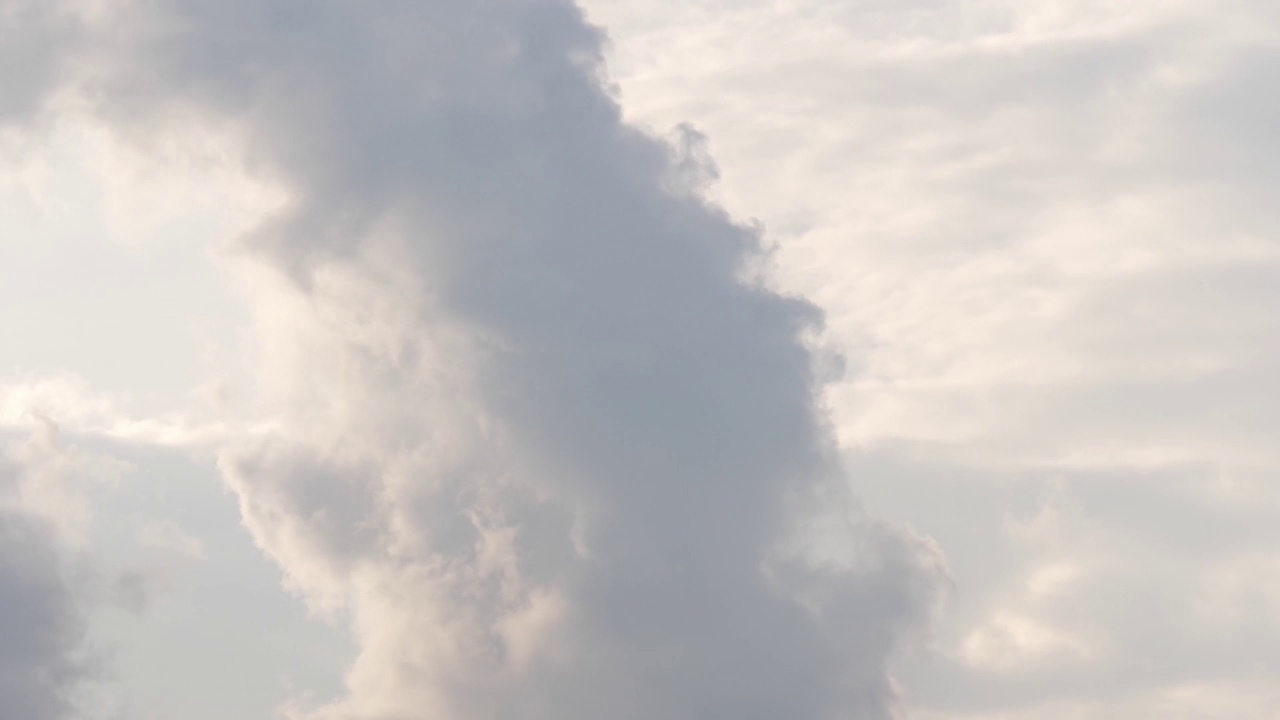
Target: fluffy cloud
{"x":540,"y":437}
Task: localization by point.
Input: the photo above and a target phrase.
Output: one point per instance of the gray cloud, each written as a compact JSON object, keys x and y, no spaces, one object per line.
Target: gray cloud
{"x":42,"y":664}
{"x":537,"y":439}
{"x":35,"y":43}
{"x":1049,"y":230}
{"x":541,"y":441}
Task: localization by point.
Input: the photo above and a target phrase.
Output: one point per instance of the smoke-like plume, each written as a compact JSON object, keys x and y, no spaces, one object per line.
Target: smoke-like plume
{"x":541,"y":443}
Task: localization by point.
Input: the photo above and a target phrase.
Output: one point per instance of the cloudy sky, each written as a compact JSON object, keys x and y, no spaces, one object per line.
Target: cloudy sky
{"x":494,"y":359}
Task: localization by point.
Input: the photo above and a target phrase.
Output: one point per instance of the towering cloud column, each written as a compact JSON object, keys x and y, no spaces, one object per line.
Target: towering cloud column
{"x":539,"y":441}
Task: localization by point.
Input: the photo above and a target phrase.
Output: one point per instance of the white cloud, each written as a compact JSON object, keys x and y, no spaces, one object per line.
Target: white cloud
{"x":1044,"y":233}
{"x":30,"y":402}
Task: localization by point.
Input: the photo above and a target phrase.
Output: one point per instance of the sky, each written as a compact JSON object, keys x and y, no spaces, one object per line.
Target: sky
{"x":492,"y":359}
